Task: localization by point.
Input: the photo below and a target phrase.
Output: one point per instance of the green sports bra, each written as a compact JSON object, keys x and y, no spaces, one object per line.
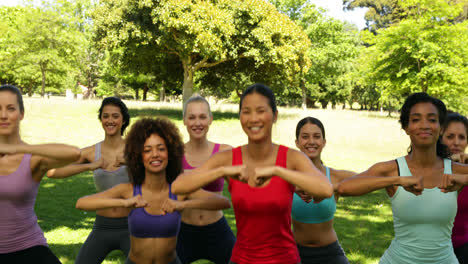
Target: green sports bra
{"x":312,"y":213}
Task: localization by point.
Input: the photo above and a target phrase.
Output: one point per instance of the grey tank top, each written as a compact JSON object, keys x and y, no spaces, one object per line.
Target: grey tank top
{"x":104,"y":179}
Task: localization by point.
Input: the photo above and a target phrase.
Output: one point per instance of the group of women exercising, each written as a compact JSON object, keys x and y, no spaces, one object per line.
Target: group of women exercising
{"x":159,"y":200}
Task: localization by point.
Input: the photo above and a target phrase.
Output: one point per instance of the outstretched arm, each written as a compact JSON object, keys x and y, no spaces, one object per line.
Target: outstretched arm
{"x":214,"y":168}
{"x":199,"y":199}
{"x":456,"y":181}
{"x":118,"y":196}
{"x":82,"y":165}
{"x":377,"y":177}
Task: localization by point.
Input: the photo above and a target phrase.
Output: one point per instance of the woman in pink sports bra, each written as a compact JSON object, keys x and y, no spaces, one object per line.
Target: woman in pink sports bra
{"x":153,"y":154}
{"x":455,"y":136}
{"x":204,"y":234}
{"x":262,"y":178}
{"x":22,"y":167}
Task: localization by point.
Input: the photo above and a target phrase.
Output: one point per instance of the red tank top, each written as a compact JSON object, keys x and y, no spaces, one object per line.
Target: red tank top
{"x":263,"y":218}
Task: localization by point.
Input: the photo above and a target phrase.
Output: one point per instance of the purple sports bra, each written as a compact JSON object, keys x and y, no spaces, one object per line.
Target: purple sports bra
{"x":145,"y":225}
{"x":215,"y":186}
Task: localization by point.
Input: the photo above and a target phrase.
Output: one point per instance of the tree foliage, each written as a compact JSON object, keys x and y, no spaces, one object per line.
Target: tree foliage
{"x":200,"y":35}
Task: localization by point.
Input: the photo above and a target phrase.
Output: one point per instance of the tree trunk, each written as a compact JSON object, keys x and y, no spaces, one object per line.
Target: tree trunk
{"x":145,"y":91}
{"x":137,"y":93}
{"x":43,"y":79}
{"x":187,"y":87}
{"x":30,"y":86}
{"x":304,"y":95}
{"x":162,"y":93}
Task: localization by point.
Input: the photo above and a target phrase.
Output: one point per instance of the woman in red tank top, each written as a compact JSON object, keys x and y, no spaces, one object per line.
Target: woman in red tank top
{"x":262,"y":177}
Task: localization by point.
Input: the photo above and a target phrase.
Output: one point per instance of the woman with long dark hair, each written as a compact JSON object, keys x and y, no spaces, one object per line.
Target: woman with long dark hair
{"x":455,"y":136}
{"x":313,"y":222}
{"x":262,"y":178}
{"x":105,"y":159}
{"x":153,"y":154}
{"x":419,"y":185}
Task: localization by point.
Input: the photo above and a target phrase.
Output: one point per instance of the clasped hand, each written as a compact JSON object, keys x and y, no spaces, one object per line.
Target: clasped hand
{"x":260,"y":176}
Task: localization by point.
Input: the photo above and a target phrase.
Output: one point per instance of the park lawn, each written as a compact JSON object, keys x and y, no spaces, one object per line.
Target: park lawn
{"x":356,"y":140}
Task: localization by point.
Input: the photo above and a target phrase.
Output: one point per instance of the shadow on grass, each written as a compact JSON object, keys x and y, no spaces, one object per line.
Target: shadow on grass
{"x":176,"y":114}
{"x":55,"y":203}
{"x":68,"y":252}
{"x":364,"y":226}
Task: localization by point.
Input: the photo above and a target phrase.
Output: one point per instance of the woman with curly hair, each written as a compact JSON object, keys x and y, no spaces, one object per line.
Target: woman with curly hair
{"x":455,"y":136}
{"x":421,"y":187}
{"x":153,"y":154}
{"x":262,"y":178}
{"x":110,"y":230}
{"x":22,"y":167}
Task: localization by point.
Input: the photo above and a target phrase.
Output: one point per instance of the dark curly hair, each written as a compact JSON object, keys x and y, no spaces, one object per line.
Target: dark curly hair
{"x":139,"y":132}
{"x":416,"y":98}
{"x":123,"y":110}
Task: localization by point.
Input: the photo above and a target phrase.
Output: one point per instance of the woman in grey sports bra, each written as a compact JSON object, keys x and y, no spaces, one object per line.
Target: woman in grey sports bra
{"x":105,"y":159}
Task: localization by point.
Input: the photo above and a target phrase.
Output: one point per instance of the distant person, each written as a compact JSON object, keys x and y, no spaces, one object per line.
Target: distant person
{"x":262,"y":178}
{"x":153,"y":154}
{"x":22,"y":167}
{"x":421,"y":185}
{"x":204,"y":234}
{"x":105,"y":159}
{"x":454,"y":135}
{"x":313,"y":222}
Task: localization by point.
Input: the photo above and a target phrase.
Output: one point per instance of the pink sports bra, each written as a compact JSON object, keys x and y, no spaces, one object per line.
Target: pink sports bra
{"x":215,"y":186}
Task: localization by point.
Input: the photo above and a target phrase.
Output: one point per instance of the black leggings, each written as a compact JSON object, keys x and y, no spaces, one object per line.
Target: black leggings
{"x":212,"y":242}
{"x":330,"y":254}
{"x":36,"y":255}
{"x":462,"y":253}
{"x":108,"y":234}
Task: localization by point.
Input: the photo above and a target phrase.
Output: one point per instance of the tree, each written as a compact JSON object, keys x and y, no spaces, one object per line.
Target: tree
{"x":334,"y":45}
{"x":200,"y":35}
{"x":380,"y":13}
{"x":425,"y":52}
{"x":40,"y":43}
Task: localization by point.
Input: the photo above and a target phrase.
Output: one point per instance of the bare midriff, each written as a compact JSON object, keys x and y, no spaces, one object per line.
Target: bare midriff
{"x":314,"y":235}
{"x":163,"y":250}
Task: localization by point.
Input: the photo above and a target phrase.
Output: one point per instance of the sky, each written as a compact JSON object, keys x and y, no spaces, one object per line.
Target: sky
{"x":334,"y":7}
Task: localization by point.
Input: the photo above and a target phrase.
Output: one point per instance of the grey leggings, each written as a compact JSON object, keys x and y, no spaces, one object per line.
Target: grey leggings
{"x":108,"y":234}
{"x":175,"y":261}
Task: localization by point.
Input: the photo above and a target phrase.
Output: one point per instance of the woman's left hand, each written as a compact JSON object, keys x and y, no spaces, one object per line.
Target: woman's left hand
{"x":170,"y":205}
{"x":451,"y":183}
{"x":263,"y":174}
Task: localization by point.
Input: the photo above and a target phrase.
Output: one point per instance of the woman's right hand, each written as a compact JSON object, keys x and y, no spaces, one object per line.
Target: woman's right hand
{"x":460,"y":157}
{"x":101,"y":163}
{"x":135,"y":202}
{"x":412,"y":184}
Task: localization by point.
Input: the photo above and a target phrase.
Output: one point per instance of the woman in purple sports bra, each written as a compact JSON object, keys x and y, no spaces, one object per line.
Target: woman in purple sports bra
{"x":153,"y":154}
{"x":203,"y":234}
{"x":22,"y":167}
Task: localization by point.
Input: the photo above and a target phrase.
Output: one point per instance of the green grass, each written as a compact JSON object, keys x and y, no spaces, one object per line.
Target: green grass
{"x":355,"y":141}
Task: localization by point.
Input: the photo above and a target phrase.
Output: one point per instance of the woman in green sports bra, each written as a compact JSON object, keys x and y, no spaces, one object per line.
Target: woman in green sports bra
{"x":313,"y":222}
{"x":420,"y":185}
